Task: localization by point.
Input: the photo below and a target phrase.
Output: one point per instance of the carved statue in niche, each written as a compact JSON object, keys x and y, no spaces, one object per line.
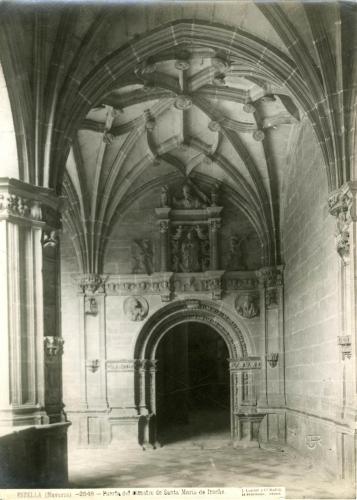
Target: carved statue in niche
{"x":246,"y":306}
{"x":165,"y":197}
{"x":189,"y":250}
{"x":136,"y":308}
{"x":237,"y":254}
{"x":189,"y":200}
{"x":142,"y":256}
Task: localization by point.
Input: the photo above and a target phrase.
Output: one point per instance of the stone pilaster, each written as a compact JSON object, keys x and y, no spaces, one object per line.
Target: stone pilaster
{"x":272,"y":392}
{"x":163,"y":215}
{"x":31,"y":347}
{"x":92,"y":339}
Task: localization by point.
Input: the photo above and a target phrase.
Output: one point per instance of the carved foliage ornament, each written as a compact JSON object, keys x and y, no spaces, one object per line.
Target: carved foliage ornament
{"x":340,"y":204}
{"x":136,"y":308}
{"x":92,"y":283}
{"x":11,"y":204}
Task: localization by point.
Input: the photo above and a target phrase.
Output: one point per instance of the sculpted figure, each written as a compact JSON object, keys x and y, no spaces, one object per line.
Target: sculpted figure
{"x":190,"y":253}
{"x":136,"y":310}
{"x":188,"y":200}
{"x":164,"y":198}
{"x":236,"y":259}
{"x":142,"y":257}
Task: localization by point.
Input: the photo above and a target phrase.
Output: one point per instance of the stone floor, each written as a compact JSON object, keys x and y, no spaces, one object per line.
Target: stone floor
{"x":203,"y":463}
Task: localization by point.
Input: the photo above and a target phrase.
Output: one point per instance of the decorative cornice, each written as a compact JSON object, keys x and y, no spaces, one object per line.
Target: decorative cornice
{"x":165,"y":283}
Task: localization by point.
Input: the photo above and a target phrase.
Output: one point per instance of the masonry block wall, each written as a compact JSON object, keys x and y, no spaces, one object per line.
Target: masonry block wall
{"x":313,"y":361}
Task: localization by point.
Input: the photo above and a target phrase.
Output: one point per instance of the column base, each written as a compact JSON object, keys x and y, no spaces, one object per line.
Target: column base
{"x":247,"y":429}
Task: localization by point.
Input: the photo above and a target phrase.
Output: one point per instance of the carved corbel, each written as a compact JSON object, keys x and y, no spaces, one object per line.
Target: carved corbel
{"x":272,"y":359}
{"x":53,"y":347}
{"x":50,"y":239}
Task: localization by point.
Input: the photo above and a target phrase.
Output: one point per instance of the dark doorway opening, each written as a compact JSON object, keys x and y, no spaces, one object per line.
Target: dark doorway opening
{"x":193,"y":389}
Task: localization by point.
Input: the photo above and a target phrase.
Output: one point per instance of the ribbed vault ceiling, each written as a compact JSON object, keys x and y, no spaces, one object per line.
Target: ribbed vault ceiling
{"x":196,"y":115}
{"x":110,"y":101}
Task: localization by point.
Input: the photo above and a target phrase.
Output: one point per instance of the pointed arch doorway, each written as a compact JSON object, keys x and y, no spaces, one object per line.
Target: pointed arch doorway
{"x":192,"y":384}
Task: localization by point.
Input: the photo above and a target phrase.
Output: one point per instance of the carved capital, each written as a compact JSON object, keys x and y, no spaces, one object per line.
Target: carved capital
{"x":270,"y":276}
{"x":164,"y":226}
{"x":92,"y":283}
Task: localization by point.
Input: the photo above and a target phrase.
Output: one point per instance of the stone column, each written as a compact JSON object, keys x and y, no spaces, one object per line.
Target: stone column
{"x":30,"y":343}
{"x":31,"y":387}
{"x":163,"y":215}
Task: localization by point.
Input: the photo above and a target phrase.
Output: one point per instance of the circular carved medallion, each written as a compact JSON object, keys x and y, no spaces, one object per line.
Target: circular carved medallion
{"x":247,"y":306}
{"x":136,"y":308}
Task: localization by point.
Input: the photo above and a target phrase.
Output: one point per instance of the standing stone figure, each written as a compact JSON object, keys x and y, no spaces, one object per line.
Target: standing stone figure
{"x":142,"y":257}
{"x":237,"y":254}
{"x":164,"y":197}
{"x":188,"y":200}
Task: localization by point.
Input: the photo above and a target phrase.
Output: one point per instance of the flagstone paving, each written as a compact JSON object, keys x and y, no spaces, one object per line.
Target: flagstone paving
{"x":203,"y":463}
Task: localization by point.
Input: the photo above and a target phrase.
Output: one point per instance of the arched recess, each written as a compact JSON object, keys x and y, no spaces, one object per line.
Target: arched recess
{"x":243,"y":364}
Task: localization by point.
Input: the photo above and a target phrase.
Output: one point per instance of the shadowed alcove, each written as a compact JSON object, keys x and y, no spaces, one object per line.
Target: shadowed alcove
{"x":193,"y":397}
